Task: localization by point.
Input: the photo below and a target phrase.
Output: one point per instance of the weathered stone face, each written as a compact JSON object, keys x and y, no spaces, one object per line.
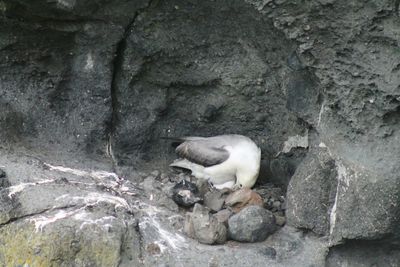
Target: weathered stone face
{"x":94,"y":84}
{"x":213,"y":72}
{"x":311,"y":193}
{"x":357,"y":71}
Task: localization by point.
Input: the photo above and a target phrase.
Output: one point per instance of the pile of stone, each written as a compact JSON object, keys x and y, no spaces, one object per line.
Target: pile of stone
{"x":244,"y":215}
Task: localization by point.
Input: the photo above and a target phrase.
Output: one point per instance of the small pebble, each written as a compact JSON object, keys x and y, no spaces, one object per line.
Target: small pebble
{"x":276,"y":205}
{"x":280,"y":220}
{"x":153,"y":249}
{"x":269,"y":251}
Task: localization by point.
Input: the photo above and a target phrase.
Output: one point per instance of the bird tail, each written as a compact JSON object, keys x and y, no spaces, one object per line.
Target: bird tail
{"x":183,"y":139}
{"x":185,"y":164}
{"x":177,"y":139}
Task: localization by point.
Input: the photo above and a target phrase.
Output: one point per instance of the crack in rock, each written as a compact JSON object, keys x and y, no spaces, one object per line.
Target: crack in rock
{"x":116,"y":68}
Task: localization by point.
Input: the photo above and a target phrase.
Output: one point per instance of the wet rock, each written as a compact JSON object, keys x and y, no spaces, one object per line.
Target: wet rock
{"x":242,"y":198}
{"x":214,"y":200}
{"x":204,"y":227}
{"x":185,"y":194}
{"x":252,"y":224}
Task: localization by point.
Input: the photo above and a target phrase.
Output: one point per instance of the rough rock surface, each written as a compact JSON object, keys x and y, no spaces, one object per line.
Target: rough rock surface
{"x":204,"y":227}
{"x":364,"y":253}
{"x":89,"y":86}
{"x":223,"y":216}
{"x":251,"y":224}
{"x":317,"y":176}
{"x":214,"y":200}
{"x":352,"y":49}
{"x":64,"y":216}
{"x":243,"y":198}
{"x":168,"y":69}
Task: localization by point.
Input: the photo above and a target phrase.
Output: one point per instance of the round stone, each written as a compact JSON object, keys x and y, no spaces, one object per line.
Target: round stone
{"x":252,"y":224}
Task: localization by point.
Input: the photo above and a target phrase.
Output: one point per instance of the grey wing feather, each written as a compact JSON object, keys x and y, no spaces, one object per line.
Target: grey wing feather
{"x":202,"y":152}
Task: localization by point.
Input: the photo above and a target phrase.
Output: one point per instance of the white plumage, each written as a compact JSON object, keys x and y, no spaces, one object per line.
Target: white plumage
{"x":227,"y":161}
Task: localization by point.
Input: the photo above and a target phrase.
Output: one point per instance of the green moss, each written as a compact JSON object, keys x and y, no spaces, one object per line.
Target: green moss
{"x":20,"y":245}
{"x":3,"y":7}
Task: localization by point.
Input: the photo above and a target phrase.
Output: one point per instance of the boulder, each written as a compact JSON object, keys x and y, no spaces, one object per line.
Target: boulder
{"x":311,"y":193}
{"x":204,"y":227}
{"x":252,"y":224}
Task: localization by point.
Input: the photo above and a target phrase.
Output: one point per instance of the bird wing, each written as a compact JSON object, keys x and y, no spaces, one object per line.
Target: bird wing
{"x":203,"y":152}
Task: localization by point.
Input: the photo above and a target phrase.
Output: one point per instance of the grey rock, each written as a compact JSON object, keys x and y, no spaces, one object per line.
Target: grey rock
{"x":92,"y":85}
{"x":280,"y":220}
{"x":156,"y":174}
{"x":3,"y":179}
{"x":183,"y":72}
{"x":273,"y":196}
{"x":276,"y":205}
{"x":311,"y":193}
{"x":252,"y":224}
{"x":357,"y":123}
{"x":281,"y":169}
{"x":130,"y":229}
{"x":203,"y":186}
{"x":269,"y":251}
{"x":363,"y":253}
{"x":204,"y":227}
{"x":223,"y":216}
{"x":214,"y":200}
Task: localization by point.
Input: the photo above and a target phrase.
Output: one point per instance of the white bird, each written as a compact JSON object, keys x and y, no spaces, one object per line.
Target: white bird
{"x":227,"y":161}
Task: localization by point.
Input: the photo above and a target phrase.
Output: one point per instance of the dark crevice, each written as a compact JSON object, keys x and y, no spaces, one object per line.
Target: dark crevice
{"x":396,"y":7}
{"x":11,"y":220}
{"x":116,"y":69}
{"x":140,"y":237}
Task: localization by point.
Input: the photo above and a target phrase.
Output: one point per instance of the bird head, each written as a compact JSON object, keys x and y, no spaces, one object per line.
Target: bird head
{"x":247,"y":172}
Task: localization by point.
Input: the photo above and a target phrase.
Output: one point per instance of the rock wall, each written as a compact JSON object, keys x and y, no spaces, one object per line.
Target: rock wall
{"x":91,"y":84}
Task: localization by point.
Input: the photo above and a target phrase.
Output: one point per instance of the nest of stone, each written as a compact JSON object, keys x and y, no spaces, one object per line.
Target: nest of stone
{"x":214,"y":216}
